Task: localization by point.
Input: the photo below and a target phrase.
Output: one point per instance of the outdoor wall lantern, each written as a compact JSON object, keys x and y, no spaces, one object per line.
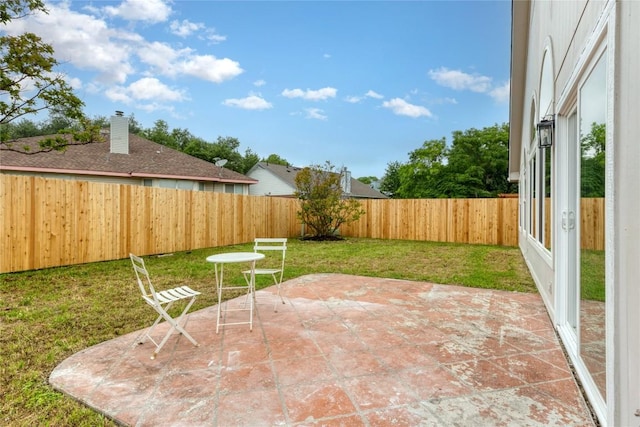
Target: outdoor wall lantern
{"x":545,"y":131}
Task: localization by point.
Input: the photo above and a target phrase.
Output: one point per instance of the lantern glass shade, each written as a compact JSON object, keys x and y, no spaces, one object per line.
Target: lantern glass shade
{"x":545,"y":133}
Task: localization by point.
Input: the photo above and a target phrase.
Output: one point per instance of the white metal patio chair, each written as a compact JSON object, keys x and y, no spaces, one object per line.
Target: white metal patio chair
{"x":161,"y":302}
{"x":276,"y":271}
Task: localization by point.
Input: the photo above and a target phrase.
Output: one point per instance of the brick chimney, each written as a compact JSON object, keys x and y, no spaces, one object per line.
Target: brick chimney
{"x":119,"y":133}
{"x":345,"y":180}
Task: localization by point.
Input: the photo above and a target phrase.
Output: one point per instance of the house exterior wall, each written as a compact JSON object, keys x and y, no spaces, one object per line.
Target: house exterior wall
{"x":625,"y":211}
{"x":155,"y":182}
{"x":90,"y":178}
{"x":575,"y":35}
{"x":560,"y":30}
{"x":268,"y":184}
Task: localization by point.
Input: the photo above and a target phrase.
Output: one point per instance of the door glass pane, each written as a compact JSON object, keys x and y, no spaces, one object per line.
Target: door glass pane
{"x":572,"y":253}
{"x":533,"y":206}
{"x":592,"y":111}
{"x":548,"y":218}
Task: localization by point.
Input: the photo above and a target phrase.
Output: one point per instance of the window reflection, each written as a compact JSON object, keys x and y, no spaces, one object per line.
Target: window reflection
{"x":548,"y":218}
{"x":592,"y":112}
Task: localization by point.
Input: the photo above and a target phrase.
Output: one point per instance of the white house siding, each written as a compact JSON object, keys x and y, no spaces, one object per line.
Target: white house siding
{"x":155,"y":182}
{"x":625,"y":265}
{"x":574,"y":33}
{"x":90,"y":178}
{"x":570,"y":23}
{"x":268,"y":184}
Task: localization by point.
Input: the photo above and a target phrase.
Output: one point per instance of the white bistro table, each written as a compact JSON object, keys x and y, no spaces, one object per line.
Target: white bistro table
{"x":219,"y":260}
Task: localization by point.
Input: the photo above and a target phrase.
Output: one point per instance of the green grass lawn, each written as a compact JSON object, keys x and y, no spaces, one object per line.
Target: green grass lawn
{"x":592,"y":275}
{"x":48,"y":315}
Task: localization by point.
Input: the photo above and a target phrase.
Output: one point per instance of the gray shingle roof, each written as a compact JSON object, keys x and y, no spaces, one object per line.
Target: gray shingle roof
{"x":288,"y":175}
{"x":146,"y":159}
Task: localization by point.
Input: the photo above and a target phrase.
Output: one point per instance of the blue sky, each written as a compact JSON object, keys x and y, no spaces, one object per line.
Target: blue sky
{"x":359,"y":84}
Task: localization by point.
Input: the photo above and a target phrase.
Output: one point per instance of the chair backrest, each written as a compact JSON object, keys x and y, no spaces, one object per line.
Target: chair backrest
{"x":144,"y":280}
{"x":262,"y":244}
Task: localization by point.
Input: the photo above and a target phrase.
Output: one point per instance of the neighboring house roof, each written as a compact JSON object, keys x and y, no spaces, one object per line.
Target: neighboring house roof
{"x":285,"y":185}
{"x":146,"y":159}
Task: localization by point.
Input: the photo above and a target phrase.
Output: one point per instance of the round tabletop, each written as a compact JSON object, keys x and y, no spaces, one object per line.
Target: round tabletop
{"x":235,"y":257}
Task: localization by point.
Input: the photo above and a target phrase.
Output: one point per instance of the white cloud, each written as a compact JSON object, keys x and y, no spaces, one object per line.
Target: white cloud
{"x":152,"y":88}
{"x":74,"y":34}
{"x":185,"y":28}
{"x":259,"y":83}
{"x":208,"y":67}
{"x":93,"y":88}
{"x":315,"y":113}
{"x":252,"y":102}
{"x":162,"y":57}
{"x":154,"y":106}
{"x":74,"y":82}
{"x":115,"y":55}
{"x":501,"y":93}
{"x":403,"y":108}
{"x":118,"y":94}
{"x":459,"y":80}
{"x":372,"y":94}
{"x":152,"y":11}
{"x":444,"y":101}
{"x":326,"y":56}
{"x":145,"y":89}
{"x":214,"y":37}
{"x":168,"y":61}
{"x":311,"y":95}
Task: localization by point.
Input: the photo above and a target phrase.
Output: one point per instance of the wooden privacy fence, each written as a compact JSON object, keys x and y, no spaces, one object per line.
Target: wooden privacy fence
{"x":52,"y":222}
{"x":592,"y":223}
{"x":479,"y":221}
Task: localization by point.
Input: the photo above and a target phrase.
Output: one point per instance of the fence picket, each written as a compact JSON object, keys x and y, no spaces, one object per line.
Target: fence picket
{"x":50,"y":222}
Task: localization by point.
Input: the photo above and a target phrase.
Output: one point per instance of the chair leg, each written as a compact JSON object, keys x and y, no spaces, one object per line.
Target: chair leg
{"x":180,"y":327}
{"x":246,"y":297}
{"x":275,"y":304}
{"x":249,"y":297}
{"x":175,"y":326}
{"x":219,"y":278}
{"x":147,"y":333}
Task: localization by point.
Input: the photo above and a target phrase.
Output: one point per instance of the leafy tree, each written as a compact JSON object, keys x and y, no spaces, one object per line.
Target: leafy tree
{"x":198,"y":147}
{"x":592,"y":174}
{"x":56,"y":123}
{"x":368,"y":179}
{"x":160,"y":134}
{"x":390,"y":181}
{"x":135,"y":126}
{"x":323,"y":207}
{"x":182,"y":140}
{"x":22,"y":129}
{"x":249,"y":160}
{"x":421,"y":177}
{"x":479,"y":161}
{"x":227,"y":148}
{"x":28,"y":84}
{"x":476,"y":165}
{"x":181,"y":137}
{"x":274,"y":159}
{"x":593,"y":143}
{"x":102,"y":122}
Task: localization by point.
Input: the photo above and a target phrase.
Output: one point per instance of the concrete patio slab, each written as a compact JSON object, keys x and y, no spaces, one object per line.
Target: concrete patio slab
{"x":343,"y":351}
